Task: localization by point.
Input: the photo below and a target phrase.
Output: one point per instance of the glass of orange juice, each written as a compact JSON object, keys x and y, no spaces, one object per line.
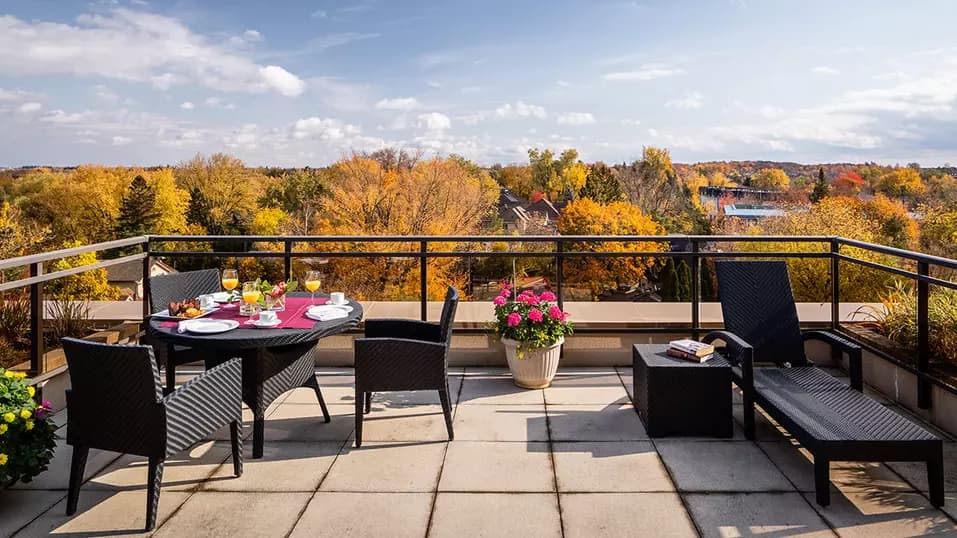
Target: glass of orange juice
{"x":251,"y":295}
{"x":230,"y":279}
{"x":312,"y":282}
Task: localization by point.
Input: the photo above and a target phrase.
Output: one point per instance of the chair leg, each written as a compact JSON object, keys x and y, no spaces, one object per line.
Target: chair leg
{"x":236,"y":439}
{"x":748,"y":416}
{"x":77,"y":467}
{"x":359,"y":406}
{"x":170,"y":370}
{"x":447,"y":411}
{"x":153,"y":493}
{"x":313,"y":384}
{"x":368,"y":406}
{"x":822,"y":480}
{"x":935,"y":478}
{"x":259,"y":433}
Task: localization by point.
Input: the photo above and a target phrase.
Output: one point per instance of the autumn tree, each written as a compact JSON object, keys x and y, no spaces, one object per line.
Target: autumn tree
{"x":587,"y":217}
{"x":653,"y":185}
{"x":90,"y":285}
{"x":848,"y":183}
{"x":560,"y":178}
{"x":138,"y":211}
{"x":770,"y":179}
{"x":601,"y":185}
{"x":941,"y":190}
{"x":896,"y":227}
{"x":900,"y":183}
{"x":300,"y":194}
{"x":938,"y":232}
{"x":516,"y":178}
{"x":224,"y":189}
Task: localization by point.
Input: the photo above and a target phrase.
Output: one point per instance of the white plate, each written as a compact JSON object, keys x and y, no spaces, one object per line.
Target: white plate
{"x":224,"y":297}
{"x":164,"y":314}
{"x":259,"y":324}
{"x":328,"y":307}
{"x":210,"y":326}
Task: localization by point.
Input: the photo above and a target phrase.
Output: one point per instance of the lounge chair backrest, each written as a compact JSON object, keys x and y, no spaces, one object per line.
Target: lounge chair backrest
{"x":165,"y":289}
{"x":448,"y":314}
{"x":758,"y":305}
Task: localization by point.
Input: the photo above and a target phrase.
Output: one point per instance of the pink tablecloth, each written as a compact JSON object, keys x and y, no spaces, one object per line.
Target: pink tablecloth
{"x":294,"y":317}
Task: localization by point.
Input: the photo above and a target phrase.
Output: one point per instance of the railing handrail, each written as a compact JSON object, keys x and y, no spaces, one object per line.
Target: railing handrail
{"x":490,"y":238}
{"x":22,"y":261}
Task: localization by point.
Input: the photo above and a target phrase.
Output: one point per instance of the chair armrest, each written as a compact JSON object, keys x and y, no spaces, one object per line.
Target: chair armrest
{"x":402,"y":328}
{"x":205,"y":403}
{"x":399,"y":364}
{"x":854,"y":353}
{"x":740,"y":352}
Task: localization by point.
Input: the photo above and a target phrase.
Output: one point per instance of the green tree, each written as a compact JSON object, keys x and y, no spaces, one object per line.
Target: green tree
{"x":820,"y":187}
{"x":300,"y":194}
{"x":561,"y":178}
{"x":138,"y":211}
{"x":601,"y":185}
{"x":675,"y":281}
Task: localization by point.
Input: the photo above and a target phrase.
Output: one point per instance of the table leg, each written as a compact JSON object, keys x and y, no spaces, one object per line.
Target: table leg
{"x":259,"y":434}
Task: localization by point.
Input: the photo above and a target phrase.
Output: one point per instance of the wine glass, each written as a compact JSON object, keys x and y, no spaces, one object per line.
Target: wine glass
{"x":313,"y":281}
{"x":251,"y":296}
{"x":230,"y":279}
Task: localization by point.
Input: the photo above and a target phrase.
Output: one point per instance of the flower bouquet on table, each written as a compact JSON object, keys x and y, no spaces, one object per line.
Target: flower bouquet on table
{"x":532,"y":328}
{"x":274,"y":295}
{"x":26,"y":433}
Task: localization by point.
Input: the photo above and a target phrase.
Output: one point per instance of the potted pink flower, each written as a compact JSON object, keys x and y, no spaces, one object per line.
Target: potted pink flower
{"x":532,"y":328}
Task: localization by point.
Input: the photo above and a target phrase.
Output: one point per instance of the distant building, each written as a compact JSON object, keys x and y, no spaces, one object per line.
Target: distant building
{"x":128,"y":277}
{"x":523,"y":217}
{"x":751,"y":211}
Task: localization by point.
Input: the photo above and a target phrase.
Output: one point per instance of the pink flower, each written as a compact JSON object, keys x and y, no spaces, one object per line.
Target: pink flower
{"x":514,"y":319}
{"x":548,"y":296}
{"x":554,"y":312}
{"x":505,"y":291}
{"x":536,"y":315}
{"x":499,"y":301}
{"x":529,"y":298}
{"x":565,"y":316}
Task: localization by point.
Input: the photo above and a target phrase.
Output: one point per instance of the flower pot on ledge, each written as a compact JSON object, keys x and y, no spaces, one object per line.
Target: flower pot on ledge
{"x":537,"y":366}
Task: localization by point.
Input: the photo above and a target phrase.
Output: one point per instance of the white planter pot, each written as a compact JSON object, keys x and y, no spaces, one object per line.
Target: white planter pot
{"x":537,"y":367}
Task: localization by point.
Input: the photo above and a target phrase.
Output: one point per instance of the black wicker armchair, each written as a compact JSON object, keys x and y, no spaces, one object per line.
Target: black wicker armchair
{"x":164,"y":289}
{"x":402,"y":354}
{"x":116,"y":403}
{"x":834,"y":420}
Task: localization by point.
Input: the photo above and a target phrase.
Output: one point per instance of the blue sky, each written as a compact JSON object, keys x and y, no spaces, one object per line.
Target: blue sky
{"x":293,"y":83}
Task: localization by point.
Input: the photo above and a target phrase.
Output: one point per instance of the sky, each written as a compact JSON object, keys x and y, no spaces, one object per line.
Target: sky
{"x":306,"y":82}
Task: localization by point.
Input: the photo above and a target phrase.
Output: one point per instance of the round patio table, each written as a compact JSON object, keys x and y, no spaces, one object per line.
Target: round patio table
{"x":274,"y":360}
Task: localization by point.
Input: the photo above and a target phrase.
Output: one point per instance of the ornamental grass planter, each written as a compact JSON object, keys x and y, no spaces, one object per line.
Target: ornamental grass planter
{"x":537,"y":366}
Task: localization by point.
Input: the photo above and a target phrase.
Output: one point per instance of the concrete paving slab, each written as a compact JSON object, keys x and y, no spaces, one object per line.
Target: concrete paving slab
{"x":596,"y":515}
{"x":386,"y":467}
{"x":497,"y":390}
{"x":501,"y":423}
{"x":493,"y":515}
{"x":405,"y":423}
{"x":285,"y":466}
{"x":630,"y":466}
{"x":755,"y":514}
{"x":614,"y":422}
{"x":20,"y":507}
{"x":476,"y":466}
{"x":215,"y":513}
{"x":874,"y":513}
{"x":720,"y":466}
{"x":104,"y":513}
{"x":396,"y":515}
{"x":183,"y":472}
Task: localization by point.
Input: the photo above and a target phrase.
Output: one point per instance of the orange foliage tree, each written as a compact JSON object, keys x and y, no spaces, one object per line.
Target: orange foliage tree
{"x":848,"y":183}
{"x":586,"y":217}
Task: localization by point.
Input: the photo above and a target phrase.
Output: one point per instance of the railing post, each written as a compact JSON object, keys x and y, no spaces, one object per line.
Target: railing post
{"x":835,"y":285}
{"x":423,"y":280}
{"x":923,"y":338}
{"x":287,"y":259}
{"x":695,"y":289}
{"x":36,"y":321}
{"x":146,"y":282}
{"x":560,"y":272}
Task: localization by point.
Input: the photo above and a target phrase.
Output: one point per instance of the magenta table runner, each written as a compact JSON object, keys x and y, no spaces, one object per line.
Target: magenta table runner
{"x":294,"y":317}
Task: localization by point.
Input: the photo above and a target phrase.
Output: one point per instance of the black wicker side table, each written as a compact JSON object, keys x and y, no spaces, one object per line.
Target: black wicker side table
{"x":679,"y":397}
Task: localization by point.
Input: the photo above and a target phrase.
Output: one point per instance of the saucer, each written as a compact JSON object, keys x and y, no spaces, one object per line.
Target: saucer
{"x":264,"y":324}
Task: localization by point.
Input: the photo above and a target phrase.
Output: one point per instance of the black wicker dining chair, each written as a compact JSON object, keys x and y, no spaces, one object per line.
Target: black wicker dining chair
{"x":174,"y":287}
{"x":116,"y":403}
{"x":404,"y":354}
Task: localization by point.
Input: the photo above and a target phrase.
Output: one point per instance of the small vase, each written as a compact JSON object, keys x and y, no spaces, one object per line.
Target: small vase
{"x":537,"y":366}
{"x":276,"y":304}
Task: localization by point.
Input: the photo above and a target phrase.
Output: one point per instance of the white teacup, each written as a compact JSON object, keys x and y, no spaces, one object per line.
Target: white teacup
{"x":206,"y":302}
{"x":268,"y":316}
{"x":337,"y":297}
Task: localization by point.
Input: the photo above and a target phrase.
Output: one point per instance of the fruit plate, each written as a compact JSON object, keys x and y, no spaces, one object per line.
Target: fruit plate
{"x":164,"y":314}
{"x":210,"y":326}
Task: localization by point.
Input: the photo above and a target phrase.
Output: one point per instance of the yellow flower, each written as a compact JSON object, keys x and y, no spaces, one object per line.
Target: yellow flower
{"x":3,"y":429}
{"x":24,"y":414}
{"x":29,"y":425}
{"x":20,"y":375}
{"x":8,"y":374}
{"x":9,"y":417}
{"x":31,"y":391}
{"x":3,"y":459}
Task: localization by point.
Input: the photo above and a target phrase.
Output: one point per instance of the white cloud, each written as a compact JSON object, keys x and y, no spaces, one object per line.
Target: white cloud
{"x":187,"y":105}
{"x":435,"y":121}
{"x":562,"y":84}
{"x":60,"y":116}
{"x":398,"y":103}
{"x":14,"y":95}
{"x":121,"y":140}
{"x":630,"y":121}
{"x":319,"y":14}
{"x":520,"y":110}
{"x":690,"y":101}
{"x":650,"y":71}
{"x":825,"y":70}
{"x":576,"y":118}
{"x":216,"y":102}
{"x":252,"y":36}
{"x":30,"y":107}
{"x":135,"y":46}
{"x":322,"y":128}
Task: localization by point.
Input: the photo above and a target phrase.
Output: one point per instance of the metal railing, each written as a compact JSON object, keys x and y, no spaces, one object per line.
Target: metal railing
{"x":562,"y":248}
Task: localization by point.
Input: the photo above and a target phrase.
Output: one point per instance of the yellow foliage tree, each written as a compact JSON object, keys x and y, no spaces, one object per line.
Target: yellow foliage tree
{"x":171,"y":201}
{"x":87,"y":286}
{"x":433,"y":197}
{"x":771,"y":179}
{"x":516,"y":178}
{"x":229,"y":191}
{"x":586,"y":217}
{"x":900,"y":183}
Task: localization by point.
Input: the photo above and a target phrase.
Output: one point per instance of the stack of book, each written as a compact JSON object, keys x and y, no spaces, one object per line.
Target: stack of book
{"x":691,"y":350}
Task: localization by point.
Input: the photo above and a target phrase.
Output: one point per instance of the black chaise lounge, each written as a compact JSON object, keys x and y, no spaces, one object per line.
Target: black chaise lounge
{"x":405,"y":354}
{"x":831,"y":419}
{"x":116,"y":403}
{"x":175,"y":287}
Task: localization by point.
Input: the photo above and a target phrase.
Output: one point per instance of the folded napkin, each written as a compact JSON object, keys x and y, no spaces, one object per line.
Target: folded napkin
{"x":326,"y":314}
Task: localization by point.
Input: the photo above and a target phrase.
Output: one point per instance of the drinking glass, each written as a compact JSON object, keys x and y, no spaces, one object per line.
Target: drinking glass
{"x":251,"y":296}
{"x":313,"y":281}
{"x":230,"y":280}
